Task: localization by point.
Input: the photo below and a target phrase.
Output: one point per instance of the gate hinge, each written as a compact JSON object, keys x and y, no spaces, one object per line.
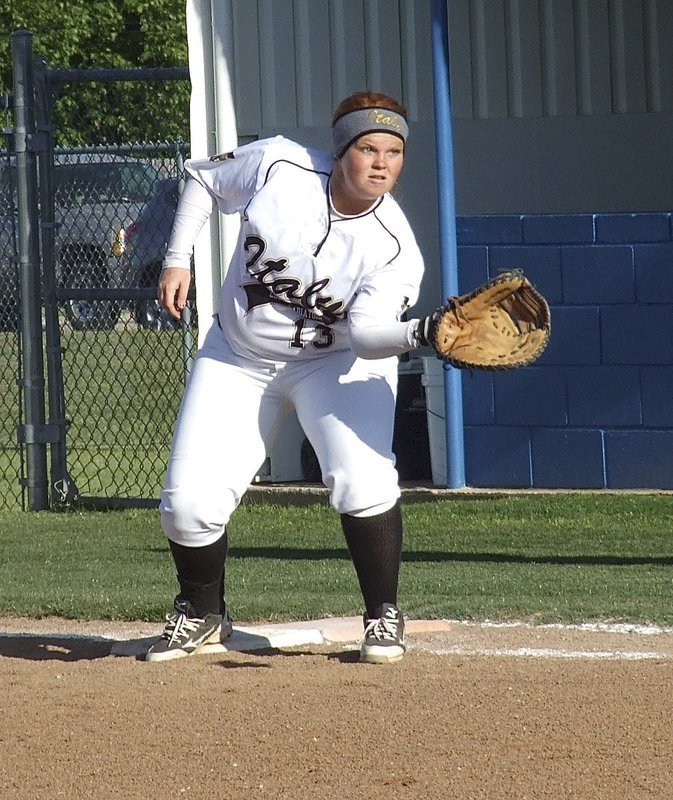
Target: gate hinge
{"x":37,"y":142}
{"x":39,"y":434}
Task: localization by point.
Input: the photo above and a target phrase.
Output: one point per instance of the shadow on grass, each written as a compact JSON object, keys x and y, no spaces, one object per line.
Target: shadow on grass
{"x":431,"y":556}
{"x":518,"y":558}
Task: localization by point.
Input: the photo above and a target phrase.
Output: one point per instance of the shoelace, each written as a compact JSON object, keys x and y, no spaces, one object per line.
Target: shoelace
{"x":179,"y":627}
{"x":381,"y":629}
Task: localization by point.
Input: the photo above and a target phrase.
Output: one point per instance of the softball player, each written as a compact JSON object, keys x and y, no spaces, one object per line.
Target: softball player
{"x":309,"y":318}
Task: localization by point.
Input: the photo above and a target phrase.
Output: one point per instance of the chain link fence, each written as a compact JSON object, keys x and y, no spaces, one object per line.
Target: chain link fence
{"x":11,"y":466}
{"x":124,"y":360}
{"x":114,"y":363}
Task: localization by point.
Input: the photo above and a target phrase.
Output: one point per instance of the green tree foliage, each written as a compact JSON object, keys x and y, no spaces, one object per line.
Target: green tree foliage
{"x":81,"y":34}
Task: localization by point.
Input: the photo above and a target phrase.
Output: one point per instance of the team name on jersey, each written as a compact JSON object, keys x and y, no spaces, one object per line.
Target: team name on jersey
{"x":286,"y":289}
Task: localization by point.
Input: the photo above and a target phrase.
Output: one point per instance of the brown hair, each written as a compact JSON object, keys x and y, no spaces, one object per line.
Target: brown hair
{"x":368,"y":100}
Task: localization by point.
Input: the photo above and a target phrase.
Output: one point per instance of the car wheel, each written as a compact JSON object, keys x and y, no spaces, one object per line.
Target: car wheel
{"x":150,"y":315}
{"x":84,"y":315}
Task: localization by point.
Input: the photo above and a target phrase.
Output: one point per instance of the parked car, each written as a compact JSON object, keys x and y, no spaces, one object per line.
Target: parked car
{"x":95,"y":196}
{"x":142,"y":245}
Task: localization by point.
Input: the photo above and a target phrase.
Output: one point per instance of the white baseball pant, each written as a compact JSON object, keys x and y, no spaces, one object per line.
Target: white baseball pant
{"x":232,"y":410}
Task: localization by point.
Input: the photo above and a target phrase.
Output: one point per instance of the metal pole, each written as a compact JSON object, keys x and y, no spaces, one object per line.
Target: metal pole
{"x":186,"y":323}
{"x":28,"y":234}
{"x":63,"y":490}
{"x":453,"y":396}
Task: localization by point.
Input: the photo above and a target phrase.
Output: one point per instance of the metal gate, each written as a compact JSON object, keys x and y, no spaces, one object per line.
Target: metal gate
{"x":96,"y":369}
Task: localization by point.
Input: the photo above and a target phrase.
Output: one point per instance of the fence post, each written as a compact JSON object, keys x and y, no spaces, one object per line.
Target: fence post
{"x":33,"y":432}
{"x":62,"y":487}
{"x":453,"y":395}
{"x":186,"y":322}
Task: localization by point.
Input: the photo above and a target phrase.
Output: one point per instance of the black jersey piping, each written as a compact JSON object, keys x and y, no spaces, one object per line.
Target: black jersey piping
{"x":390,"y":233}
{"x":306,"y":169}
{"x":329,"y":216}
{"x":374,"y":211}
{"x":329,"y":219}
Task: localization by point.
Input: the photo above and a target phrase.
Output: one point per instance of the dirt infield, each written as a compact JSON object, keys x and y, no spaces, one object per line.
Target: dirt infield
{"x":473,"y":711}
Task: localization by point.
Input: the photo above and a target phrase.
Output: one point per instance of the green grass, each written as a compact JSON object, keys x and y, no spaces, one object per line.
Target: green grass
{"x":10,"y":459}
{"x":541,"y":557}
{"x":122,"y":393}
{"x":126,"y":382}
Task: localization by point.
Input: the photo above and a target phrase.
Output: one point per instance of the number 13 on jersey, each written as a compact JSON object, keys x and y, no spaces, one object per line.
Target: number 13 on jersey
{"x":325,"y":335}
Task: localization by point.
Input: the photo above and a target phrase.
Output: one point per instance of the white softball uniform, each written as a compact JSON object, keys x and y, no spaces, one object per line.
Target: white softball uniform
{"x":309,"y":317}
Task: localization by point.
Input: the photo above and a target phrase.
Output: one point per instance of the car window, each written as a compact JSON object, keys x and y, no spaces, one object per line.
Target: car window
{"x":106,"y":182}
{"x":139,"y":181}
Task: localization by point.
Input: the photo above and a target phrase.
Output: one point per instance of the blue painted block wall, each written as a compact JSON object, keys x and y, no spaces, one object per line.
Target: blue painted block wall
{"x":596,"y":410}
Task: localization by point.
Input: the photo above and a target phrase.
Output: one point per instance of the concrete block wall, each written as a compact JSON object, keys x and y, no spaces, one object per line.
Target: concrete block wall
{"x":596,"y":410}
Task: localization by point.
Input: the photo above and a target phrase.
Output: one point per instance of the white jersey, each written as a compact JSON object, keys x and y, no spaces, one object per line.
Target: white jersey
{"x":300,"y":270}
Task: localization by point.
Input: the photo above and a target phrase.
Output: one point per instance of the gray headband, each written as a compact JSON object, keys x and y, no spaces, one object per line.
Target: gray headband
{"x":366,"y":120}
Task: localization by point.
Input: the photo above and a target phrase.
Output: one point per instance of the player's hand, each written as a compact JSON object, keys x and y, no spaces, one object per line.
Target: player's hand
{"x":173,"y":287}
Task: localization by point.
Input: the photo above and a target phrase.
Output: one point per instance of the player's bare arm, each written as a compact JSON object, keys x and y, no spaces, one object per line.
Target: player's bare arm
{"x":173,"y":287}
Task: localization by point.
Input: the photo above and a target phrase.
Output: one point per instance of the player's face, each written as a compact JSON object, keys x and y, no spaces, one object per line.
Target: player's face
{"x":368,"y":169}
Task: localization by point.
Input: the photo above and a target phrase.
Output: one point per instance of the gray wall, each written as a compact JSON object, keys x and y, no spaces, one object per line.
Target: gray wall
{"x":559,"y":106}
{"x":562,"y":105}
{"x":562,"y":122}
{"x":292,"y":61}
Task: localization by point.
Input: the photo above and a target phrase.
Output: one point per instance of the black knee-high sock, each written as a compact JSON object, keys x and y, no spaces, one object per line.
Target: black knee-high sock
{"x":375,"y":545}
{"x":201,"y":574}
